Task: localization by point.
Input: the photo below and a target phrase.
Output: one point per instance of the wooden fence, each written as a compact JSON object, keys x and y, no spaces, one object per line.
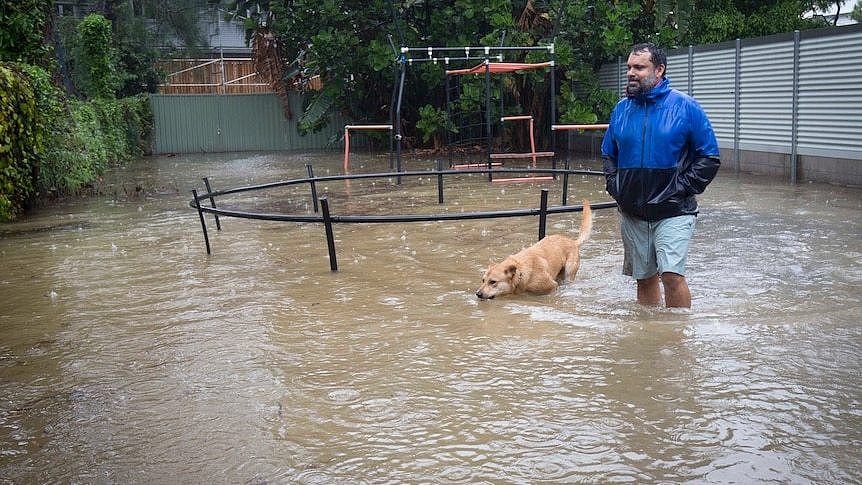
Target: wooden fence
{"x":215,"y":76}
{"x":211,"y":76}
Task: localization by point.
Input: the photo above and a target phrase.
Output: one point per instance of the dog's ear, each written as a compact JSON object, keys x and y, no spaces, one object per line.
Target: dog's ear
{"x":511,"y":270}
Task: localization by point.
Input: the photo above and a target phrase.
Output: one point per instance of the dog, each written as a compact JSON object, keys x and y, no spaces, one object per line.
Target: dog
{"x":539,"y":268}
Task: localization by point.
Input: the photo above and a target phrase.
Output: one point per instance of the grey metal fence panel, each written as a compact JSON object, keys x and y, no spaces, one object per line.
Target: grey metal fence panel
{"x":612,"y":76}
{"x":194,"y":123}
{"x":712,"y":85}
{"x":677,"y":71}
{"x":766,"y":97}
{"x":829,"y":104}
{"x":830,"y":101}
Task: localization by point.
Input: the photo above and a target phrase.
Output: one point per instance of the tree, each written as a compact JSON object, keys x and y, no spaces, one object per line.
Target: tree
{"x":143,"y":31}
{"x":95,"y":66}
{"x":341,"y":43}
{"x":719,"y":21}
{"x":137,"y":50}
{"x":349,"y":45}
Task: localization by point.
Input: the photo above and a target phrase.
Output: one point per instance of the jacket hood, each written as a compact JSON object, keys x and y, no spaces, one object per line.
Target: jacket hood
{"x":658,"y":91}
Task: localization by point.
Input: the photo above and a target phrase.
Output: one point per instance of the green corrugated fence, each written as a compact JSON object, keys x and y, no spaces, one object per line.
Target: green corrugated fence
{"x":196,"y":123}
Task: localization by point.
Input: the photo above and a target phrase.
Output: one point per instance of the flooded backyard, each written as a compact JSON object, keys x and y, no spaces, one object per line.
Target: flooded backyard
{"x":129,"y":355}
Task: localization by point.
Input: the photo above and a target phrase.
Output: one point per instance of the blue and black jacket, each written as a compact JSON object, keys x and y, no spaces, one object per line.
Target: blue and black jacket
{"x":658,"y":152}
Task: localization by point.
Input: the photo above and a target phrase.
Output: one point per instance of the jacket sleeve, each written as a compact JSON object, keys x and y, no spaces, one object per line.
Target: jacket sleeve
{"x":699,"y":174}
{"x":609,"y":162}
{"x":704,"y":166}
{"x":609,"y":166}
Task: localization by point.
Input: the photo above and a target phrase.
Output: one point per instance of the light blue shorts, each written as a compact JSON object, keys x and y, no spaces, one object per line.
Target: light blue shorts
{"x":655,"y":247}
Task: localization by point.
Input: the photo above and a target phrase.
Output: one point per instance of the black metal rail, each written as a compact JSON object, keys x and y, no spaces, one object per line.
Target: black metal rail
{"x":328,"y":219}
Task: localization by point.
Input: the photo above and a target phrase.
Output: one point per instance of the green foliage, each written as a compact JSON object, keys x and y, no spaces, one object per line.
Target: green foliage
{"x":314,"y":116}
{"x":380,"y":55}
{"x":82,"y":139}
{"x":136,"y":53}
{"x":573,"y":110}
{"x":711,"y":22}
{"x":58,"y":161}
{"x":432,"y":122}
{"x":48,"y":144}
{"x":22,"y":139}
{"x":142,"y":32}
{"x":720,"y":26}
{"x":22,"y":28}
{"x":583,"y":100}
{"x":347,"y":44}
{"x":856,"y":13}
{"x":95,"y":62}
{"x":169,"y":21}
{"x":102,"y":132}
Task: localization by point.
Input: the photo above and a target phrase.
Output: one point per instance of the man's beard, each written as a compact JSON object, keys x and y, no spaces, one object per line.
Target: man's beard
{"x":638,"y":87}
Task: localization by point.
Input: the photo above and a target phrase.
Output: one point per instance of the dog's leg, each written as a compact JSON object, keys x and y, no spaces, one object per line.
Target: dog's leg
{"x":542,"y":284}
{"x":573,"y":262}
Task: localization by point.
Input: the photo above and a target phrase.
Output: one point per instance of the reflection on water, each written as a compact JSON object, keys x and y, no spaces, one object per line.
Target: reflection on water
{"x":129,"y":355}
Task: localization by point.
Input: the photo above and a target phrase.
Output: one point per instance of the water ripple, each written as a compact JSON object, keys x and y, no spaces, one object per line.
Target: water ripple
{"x":130,"y":355}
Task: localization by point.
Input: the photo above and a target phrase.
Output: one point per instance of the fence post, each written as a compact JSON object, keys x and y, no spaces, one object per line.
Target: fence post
{"x":621,"y":80}
{"x":691,"y":70}
{"x":439,"y":181}
{"x":402,"y":74}
{"x":565,"y":197}
{"x":794,"y":131}
{"x":489,"y":134}
{"x":203,"y":222}
{"x":543,"y":214}
{"x":330,"y":240}
{"x":737,"y":109}
{"x":212,"y":202}
{"x":313,"y":185}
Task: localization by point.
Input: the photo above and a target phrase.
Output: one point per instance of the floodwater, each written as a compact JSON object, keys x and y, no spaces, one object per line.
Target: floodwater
{"x":128,"y":355}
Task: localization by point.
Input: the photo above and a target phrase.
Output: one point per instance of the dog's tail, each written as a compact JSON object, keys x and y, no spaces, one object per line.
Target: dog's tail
{"x":586,"y":224}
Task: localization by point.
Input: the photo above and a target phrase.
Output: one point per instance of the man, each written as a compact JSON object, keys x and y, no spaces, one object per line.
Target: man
{"x":658,"y":152}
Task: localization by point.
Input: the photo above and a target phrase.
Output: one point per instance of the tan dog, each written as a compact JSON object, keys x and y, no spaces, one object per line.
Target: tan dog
{"x":538,"y":268}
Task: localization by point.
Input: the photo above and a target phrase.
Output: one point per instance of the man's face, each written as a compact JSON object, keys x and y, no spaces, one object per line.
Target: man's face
{"x":642,"y":74}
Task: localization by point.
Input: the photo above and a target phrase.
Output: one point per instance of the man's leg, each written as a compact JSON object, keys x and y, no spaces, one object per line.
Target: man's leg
{"x":672,"y":238}
{"x":676,"y":293}
{"x":639,"y":259}
{"x":649,"y":292}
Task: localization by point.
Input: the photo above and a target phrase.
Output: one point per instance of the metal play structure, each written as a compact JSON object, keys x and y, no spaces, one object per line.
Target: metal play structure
{"x":488,"y":62}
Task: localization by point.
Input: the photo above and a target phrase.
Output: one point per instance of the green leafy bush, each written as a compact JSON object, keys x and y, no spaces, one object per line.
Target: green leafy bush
{"x":82,"y":139}
{"x":51,"y":103}
{"x":432,"y":123}
{"x":95,"y":60}
{"x":22,"y":24}
{"x":22,"y":138}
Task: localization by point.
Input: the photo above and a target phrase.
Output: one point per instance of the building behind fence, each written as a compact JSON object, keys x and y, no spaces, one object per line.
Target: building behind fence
{"x":786,"y":105}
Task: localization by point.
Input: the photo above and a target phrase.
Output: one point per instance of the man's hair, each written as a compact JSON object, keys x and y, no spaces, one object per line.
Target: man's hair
{"x":656,"y":54}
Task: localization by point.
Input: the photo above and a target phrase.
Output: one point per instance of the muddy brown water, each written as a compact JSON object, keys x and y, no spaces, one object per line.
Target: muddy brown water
{"x":128,"y":355}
